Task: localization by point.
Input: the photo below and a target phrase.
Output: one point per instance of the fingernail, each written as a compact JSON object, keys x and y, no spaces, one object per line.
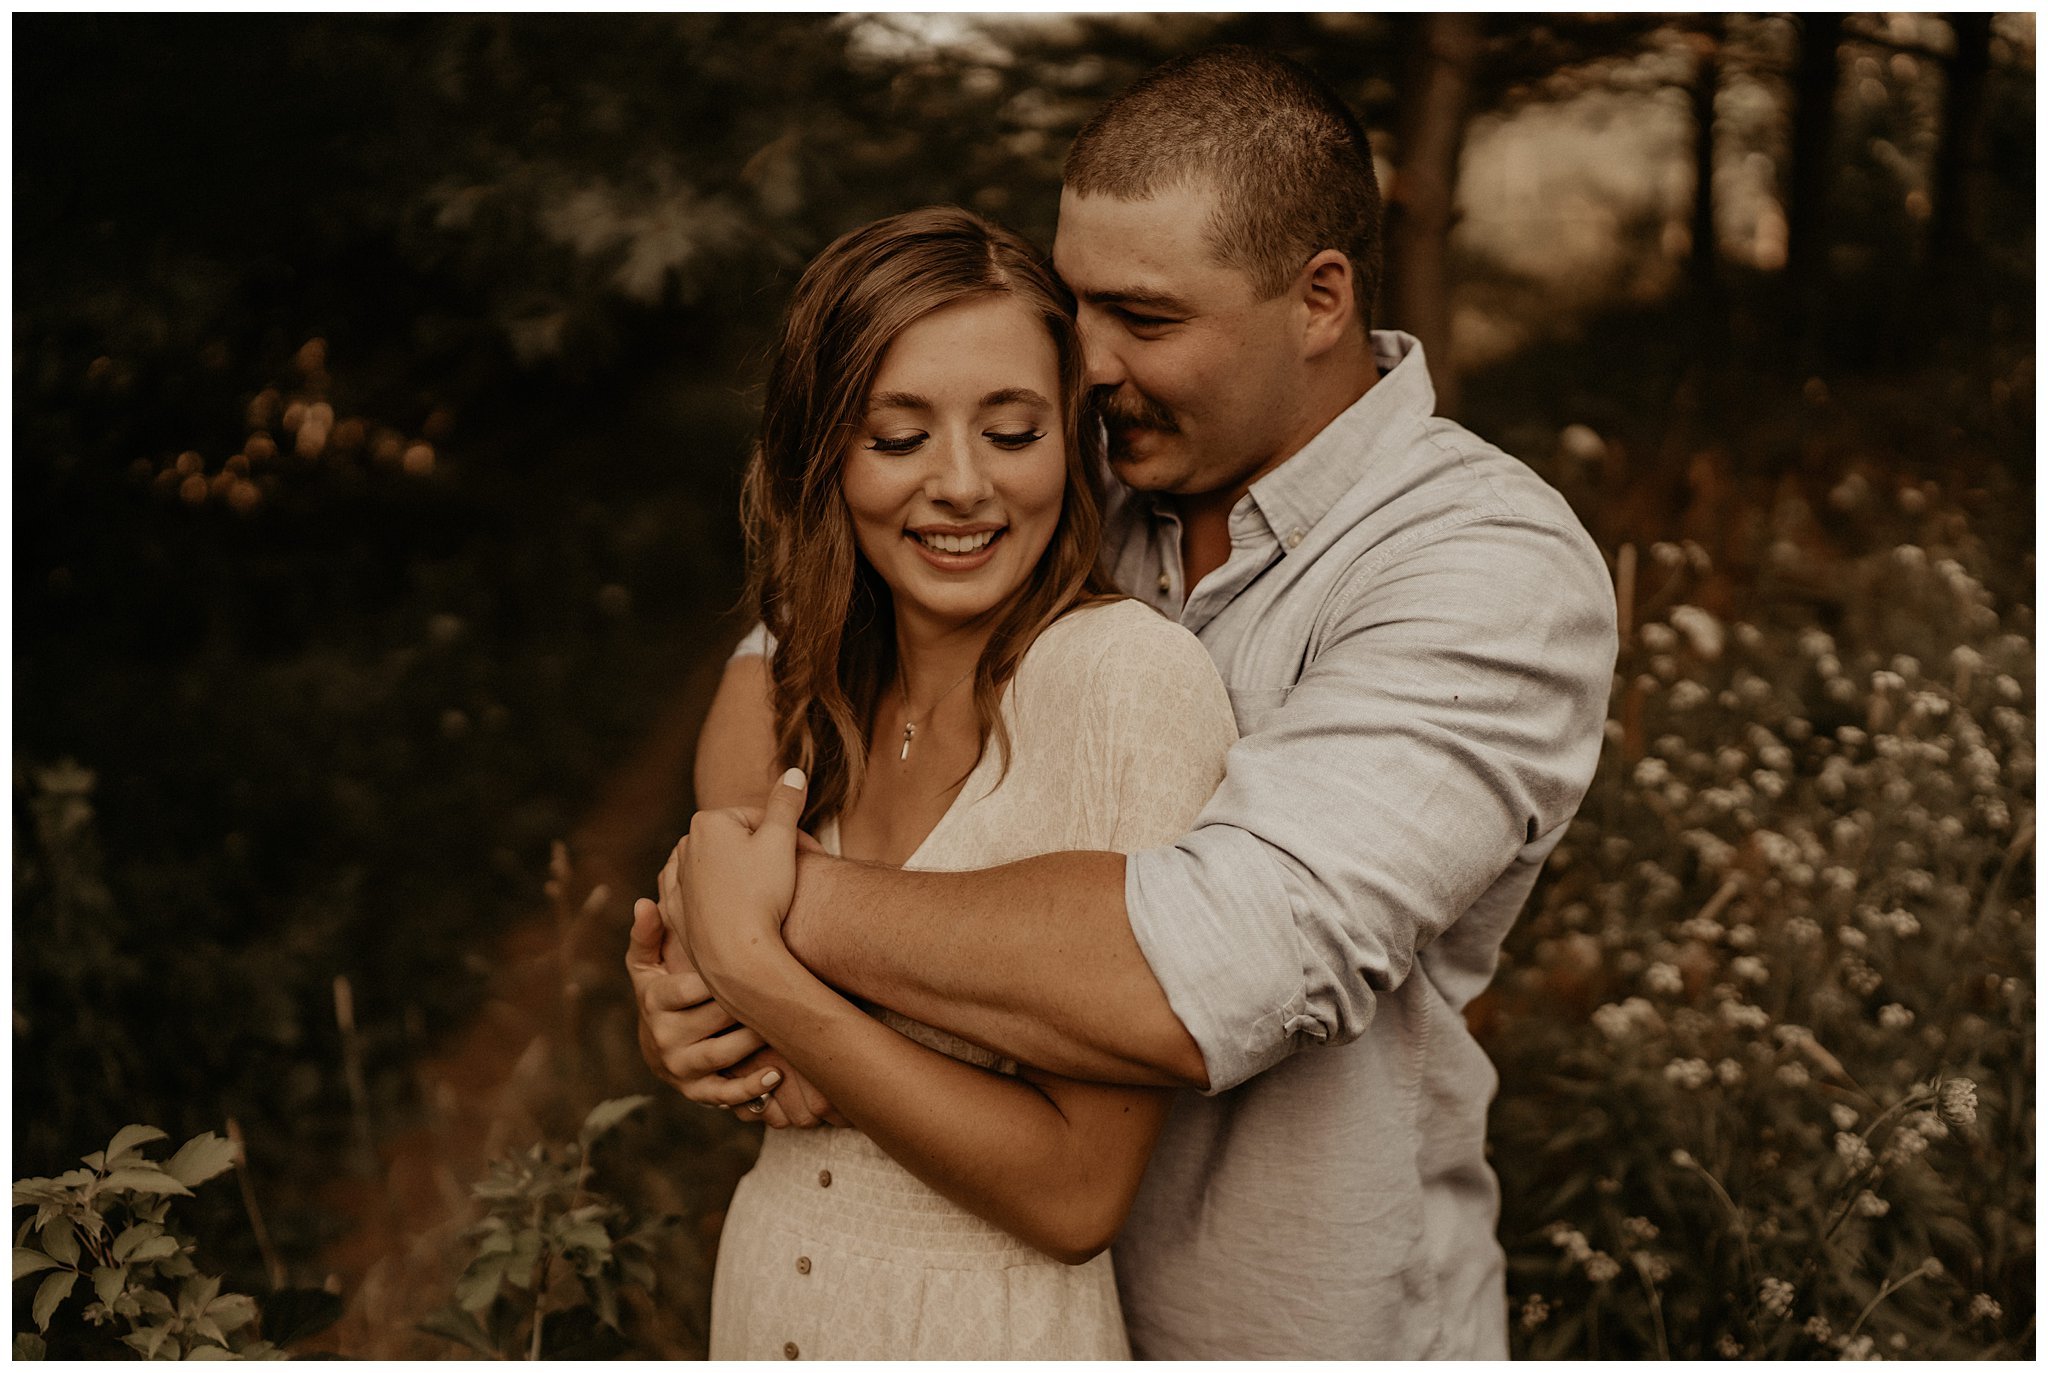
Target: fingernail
{"x":794,"y":778}
{"x":770,"y":1078}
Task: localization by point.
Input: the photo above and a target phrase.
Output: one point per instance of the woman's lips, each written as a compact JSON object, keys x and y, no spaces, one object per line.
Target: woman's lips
{"x":955,"y":562}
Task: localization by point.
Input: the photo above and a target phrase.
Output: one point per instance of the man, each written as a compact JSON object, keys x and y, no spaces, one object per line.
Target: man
{"x":1418,"y":639}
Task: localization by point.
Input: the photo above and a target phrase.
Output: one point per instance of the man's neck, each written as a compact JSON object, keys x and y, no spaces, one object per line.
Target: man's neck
{"x":1205,"y":515}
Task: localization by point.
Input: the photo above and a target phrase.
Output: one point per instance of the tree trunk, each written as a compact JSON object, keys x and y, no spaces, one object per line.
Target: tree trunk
{"x":1706,"y":84}
{"x":1813,"y":130}
{"x":1959,"y":170}
{"x":1443,"y":50}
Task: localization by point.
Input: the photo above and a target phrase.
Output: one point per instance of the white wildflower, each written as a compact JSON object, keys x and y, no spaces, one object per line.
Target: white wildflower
{"x":1983,"y":1308}
{"x":1729,"y":1072}
{"x":1664,"y":979}
{"x":1654,"y":1267}
{"x":1862,"y":1349}
{"x":1852,"y":938}
{"x":1728,"y":1347}
{"x":1870,"y":1205}
{"x":1793,"y":1075}
{"x":1602,"y":1268}
{"x":1958,"y":1101}
{"x":1802,"y":931}
{"x":1818,"y":1328}
{"x":1690,"y":1073}
{"x":1688,"y":695}
{"x":1845,"y":1117}
{"x":1703,"y":633}
{"x":1658,"y":638}
{"x":1639,"y":1229}
{"x":1776,"y":1295}
{"x":1750,"y":969}
{"x":1535,"y":1311}
{"x":1742,"y":937}
{"x":1651,"y":773}
{"x":1893,"y":1016}
{"x":1741,"y":1015}
{"x":1853,"y":1151}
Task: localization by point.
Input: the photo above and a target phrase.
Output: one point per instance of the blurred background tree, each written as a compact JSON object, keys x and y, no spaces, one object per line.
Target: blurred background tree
{"x":381,"y":386}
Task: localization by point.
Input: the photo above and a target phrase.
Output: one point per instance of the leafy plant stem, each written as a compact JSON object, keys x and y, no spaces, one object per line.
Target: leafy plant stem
{"x":273,"y":1266}
{"x":1882,"y":1293}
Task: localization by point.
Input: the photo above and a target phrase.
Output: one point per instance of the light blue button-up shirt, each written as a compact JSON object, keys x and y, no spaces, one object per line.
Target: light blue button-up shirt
{"x":1418,"y":638}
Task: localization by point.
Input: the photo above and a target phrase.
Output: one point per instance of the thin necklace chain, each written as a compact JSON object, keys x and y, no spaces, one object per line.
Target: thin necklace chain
{"x":911,"y":723}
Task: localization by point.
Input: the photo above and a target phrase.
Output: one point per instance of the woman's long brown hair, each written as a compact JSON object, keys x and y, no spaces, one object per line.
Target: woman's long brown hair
{"x":829,"y":610}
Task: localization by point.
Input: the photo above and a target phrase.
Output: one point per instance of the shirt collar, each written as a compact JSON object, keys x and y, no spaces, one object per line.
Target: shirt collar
{"x":1294,"y":496}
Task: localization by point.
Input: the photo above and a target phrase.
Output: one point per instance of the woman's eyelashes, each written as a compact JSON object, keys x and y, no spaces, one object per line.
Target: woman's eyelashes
{"x":1009,"y":439}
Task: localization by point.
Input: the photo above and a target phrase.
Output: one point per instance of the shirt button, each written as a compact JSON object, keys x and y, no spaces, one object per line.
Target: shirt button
{"x":824,"y":1177}
{"x":1294,"y":538}
{"x":803,"y":1264}
{"x":789,"y":1350}
{"x":1165,"y":582}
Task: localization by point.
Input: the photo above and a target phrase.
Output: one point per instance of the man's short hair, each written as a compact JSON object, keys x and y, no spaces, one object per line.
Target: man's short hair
{"x":1291,"y":167}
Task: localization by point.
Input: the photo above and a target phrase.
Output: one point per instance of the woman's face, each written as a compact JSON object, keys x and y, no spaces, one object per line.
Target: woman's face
{"x":957,"y":472}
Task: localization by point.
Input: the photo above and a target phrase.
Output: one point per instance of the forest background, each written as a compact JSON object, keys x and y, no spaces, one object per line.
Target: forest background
{"x":381,"y":387}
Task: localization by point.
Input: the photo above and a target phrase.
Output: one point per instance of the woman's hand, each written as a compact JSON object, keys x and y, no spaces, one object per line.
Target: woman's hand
{"x":729,"y":884}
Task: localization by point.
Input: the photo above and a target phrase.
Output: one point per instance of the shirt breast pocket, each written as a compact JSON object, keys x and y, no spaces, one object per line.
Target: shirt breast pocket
{"x":1254,"y":705}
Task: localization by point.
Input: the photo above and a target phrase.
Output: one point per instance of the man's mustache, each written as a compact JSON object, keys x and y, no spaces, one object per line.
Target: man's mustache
{"x":1138,"y":412}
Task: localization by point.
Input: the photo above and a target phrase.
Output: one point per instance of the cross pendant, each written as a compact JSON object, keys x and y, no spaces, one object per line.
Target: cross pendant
{"x":909,"y":733}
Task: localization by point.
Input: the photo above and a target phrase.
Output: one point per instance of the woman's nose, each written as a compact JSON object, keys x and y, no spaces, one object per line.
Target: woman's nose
{"x":959,"y":477}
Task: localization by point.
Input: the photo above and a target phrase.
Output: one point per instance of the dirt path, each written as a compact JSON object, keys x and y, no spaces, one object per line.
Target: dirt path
{"x":499,"y":1083}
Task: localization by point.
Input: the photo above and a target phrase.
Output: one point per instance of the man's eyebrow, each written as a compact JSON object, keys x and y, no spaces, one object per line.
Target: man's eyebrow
{"x":1158,"y":301}
{"x":897,"y":400}
{"x":1014,"y":395}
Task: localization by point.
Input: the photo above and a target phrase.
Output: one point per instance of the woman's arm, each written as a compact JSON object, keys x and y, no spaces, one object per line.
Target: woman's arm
{"x":1053,"y":1161}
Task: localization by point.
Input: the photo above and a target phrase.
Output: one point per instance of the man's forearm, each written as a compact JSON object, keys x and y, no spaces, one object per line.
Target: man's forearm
{"x":1034,"y":960}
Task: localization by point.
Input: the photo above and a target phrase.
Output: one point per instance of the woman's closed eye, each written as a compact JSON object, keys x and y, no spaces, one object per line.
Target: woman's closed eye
{"x":1013,"y":438}
{"x":1010,"y":439}
{"x":896,"y":443}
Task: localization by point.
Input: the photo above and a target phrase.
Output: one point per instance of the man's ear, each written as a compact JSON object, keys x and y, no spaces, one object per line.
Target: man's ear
{"x":1327,"y":287}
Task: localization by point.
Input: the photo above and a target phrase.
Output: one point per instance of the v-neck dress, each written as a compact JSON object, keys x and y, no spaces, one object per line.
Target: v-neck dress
{"x":1118,"y":728}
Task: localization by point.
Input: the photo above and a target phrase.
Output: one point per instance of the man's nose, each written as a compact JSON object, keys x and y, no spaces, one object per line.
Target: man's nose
{"x":1105,"y":370}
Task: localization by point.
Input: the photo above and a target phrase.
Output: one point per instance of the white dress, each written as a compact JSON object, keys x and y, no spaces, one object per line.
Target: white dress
{"x":831,"y":1250}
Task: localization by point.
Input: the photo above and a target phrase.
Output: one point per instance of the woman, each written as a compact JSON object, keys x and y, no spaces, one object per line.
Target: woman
{"x":962,"y":690}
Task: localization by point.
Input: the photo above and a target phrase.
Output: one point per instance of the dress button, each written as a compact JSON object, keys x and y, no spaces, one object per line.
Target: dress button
{"x":1294,"y":538}
{"x":789,"y":1350}
{"x":1165,"y":582}
{"x":824,"y":1177}
{"x":803,"y":1264}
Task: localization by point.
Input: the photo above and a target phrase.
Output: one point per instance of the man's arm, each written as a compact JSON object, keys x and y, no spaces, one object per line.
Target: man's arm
{"x":1447,"y":724}
{"x":1034,"y":960}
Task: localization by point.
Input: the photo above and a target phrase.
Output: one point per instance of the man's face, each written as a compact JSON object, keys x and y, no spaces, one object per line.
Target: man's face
{"x":1199,"y":381}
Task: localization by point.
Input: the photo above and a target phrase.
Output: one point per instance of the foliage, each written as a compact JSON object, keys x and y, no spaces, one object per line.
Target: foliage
{"x":1766,"y":1034}
{"x":542,"y":1226}
{"x":109,"y":1224}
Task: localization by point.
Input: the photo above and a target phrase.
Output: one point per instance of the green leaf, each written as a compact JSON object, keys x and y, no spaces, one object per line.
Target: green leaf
{"x":154,"y":1248}
{"x":96,"y":1160}
{"x":130,"y":1139}
{"x":55,"y":1289}
{"x":209,"y":1327}
{"x":130,"y":1239}
{"x":607,"y":1114}
{"x":453,"y":1323}
{"x":147,"y":1340}
{"x":149,"y":1180}
{"x":27,"y":1347}
{"x":202,"y":1157}
{"x":108,"y":1282}
{"x":60,"y":1241}
{"x":232,"y":1310}
{"x":209,"y":1351}
{"x":586,"y":1235}
{"x":478,"y":1288}
{"x":75,"y":1177}
{"x":27,"y":1261}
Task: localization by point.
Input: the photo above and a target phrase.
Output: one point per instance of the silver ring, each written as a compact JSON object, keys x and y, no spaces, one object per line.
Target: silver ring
{"x":757,"y":1107}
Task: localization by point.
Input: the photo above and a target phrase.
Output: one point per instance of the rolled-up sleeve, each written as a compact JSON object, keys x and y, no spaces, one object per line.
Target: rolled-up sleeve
{"x":1448,"y":714}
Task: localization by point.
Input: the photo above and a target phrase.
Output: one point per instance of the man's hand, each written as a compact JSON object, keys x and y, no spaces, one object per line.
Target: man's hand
{"x":727,"y":887}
